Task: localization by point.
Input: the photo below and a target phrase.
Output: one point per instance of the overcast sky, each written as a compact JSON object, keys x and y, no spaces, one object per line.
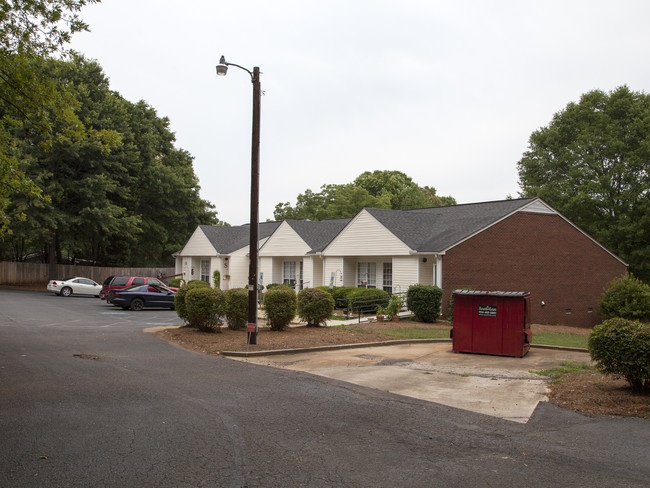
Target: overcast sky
{"x":446,"y":91}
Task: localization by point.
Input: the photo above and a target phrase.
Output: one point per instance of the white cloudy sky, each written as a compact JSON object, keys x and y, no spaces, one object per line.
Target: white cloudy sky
{"x":446,"y":91}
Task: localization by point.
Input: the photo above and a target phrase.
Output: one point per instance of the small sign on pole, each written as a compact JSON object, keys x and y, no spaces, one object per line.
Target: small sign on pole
{"x":250,"y":328}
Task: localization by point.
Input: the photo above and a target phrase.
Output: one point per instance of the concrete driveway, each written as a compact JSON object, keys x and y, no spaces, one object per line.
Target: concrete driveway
{"x":498,"y":386}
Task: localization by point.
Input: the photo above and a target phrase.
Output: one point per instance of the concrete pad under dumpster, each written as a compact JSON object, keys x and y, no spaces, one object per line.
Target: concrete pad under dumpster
{"x":492,"y":385}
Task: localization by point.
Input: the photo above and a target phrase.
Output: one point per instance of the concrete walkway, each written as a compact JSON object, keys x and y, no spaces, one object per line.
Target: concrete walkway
{"x":498,"y":386}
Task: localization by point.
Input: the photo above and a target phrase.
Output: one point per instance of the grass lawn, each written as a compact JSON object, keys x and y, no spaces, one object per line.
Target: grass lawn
{"x":548,"y":338}
{"x":564,"y":368}
{"x":559,"y":339}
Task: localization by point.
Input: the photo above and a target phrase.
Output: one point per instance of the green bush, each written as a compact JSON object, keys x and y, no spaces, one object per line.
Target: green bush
{"x":179,"y":299}
{"x":175,"y":283}
{"x":280,"y":306}
{"x":326,"y":289}
{"x":626,"y":297}
{"x":205,"y":307}
{"x":315,"y":306}
{"x":342,"y":292}
{"x":367,"y":300}
{"x":425,"y":302}
{"x":270,"y":286}
{"x":622,"y":347}
{"x":191,"y":282}
{"x":394,"y":306}
{"x":216,"y":277}
{"x":236,"y":309}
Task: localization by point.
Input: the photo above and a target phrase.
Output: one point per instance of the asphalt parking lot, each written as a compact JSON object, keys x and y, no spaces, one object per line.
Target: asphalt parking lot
{"x":88,"y":399}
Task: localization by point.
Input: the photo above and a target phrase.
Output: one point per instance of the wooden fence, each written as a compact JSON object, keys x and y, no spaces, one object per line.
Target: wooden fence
{"x":12,"y":273}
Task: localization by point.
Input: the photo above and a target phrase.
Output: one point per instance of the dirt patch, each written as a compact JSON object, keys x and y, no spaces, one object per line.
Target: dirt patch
{"x":599,"y":394}
{"x":586,"y":393}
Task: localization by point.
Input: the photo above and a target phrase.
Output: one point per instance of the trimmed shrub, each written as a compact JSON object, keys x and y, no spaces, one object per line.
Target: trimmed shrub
{"x":315,"y":306}
{"x":236,"y":308}
{"x":326,"y":289}
{"x":280,"y":306}
{"x":626,"y":297}
{"x":621,"y":347}
{"x":175,"y":283}
{"x":197,"y":281}
{"x":341,"y":293}
{"x":179,"y":299}
{"x":367,"y":300}
{"x":205,"y":307}
{"x":270,"y":286}
{"x":425,"y":302}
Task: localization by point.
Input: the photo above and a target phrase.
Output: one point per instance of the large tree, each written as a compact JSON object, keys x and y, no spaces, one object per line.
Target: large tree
{"x":592,"y":163}
{"x":119,"y":192}
{"x":29,"y":30}
{"x":377,"y":189}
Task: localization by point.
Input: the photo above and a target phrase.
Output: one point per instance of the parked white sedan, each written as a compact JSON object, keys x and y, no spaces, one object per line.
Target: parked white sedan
{"x":75,"y":285}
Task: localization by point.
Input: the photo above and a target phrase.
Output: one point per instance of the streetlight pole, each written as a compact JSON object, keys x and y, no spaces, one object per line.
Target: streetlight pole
{"x":253,"y":281}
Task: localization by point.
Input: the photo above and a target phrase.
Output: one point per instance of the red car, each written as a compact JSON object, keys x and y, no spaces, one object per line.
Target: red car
{"x":120,"y":282}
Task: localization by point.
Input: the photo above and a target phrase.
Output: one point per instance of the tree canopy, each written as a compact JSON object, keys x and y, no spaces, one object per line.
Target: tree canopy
{"x":30,"y":30}
{"x":377,"y":189}
{"x":118,"y":191}
{"x":83,"y":172}
{"x":592,"y":163}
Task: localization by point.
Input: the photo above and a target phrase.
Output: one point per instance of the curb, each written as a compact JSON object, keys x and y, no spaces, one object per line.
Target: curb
{"x":276,"y":352}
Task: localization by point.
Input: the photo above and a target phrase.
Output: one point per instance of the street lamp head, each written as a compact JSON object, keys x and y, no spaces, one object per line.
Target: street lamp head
{"x":222,"y":68}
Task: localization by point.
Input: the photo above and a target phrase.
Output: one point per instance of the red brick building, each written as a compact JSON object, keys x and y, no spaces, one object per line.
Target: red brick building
{"x":564,"y":269}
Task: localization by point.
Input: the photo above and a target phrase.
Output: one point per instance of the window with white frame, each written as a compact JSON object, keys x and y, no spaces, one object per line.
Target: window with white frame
{"x":205,"y":270}
{"x":289,"y":273}
{"x":388,"y":278}
{"x":367,"y":274}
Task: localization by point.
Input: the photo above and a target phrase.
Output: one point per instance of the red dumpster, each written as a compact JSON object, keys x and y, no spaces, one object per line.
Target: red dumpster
{"x":492,"y":322}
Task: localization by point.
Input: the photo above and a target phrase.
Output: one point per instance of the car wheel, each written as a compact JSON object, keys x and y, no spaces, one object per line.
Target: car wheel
{"x":66,"y":291}
{"x":137,"y":304}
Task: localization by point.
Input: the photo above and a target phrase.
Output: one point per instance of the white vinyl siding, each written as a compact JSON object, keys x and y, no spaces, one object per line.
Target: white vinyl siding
{"x":239,"y":264}
{"x":308,"y":273}
{"x":426,"y":273}
{"x":284,"y":242}
{"x":405,"y":272}
{"x":198,"y":245}
{"x":318,"y":278}
{"x":365,"y":236}
{"x":333,"y":266}
{"x":538,"y":207}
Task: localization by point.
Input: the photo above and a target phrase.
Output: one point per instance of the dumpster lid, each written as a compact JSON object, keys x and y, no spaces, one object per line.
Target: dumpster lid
{"x":502,"y":294}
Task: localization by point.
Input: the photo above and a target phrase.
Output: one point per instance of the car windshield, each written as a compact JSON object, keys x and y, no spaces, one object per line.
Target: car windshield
{"x":132,"y":288}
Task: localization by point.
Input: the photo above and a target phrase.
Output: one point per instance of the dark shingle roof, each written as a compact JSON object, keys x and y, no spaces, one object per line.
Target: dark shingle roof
{"x":318,"y":234}
{"x":436,"y":229}
{"x":229,"y":239}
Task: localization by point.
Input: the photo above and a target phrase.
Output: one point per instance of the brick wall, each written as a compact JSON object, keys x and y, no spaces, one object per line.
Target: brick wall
{"x":539,"y":253}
